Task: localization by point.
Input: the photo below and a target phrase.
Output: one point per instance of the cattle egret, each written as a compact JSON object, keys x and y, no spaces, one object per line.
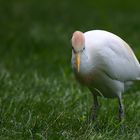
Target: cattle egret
{"x":105,"y":64}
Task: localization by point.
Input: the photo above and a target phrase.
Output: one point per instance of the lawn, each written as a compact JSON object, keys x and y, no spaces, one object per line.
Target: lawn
{"x":39,"y":96}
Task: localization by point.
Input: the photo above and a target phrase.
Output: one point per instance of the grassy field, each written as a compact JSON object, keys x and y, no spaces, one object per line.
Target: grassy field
{"x":39,"y":96}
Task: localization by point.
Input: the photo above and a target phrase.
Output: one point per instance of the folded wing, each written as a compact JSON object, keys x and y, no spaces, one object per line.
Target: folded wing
{"x":118,"y":61}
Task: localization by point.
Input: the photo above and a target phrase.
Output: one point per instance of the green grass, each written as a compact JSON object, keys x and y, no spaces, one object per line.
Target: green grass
{"x":39,"y":96}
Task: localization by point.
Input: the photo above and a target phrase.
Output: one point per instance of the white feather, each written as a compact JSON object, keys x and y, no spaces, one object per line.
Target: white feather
{"x":106,"y":64}
{"x":112,"y":55}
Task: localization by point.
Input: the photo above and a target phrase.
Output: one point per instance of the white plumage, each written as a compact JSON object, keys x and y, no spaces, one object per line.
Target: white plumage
{"x":104,"y":63}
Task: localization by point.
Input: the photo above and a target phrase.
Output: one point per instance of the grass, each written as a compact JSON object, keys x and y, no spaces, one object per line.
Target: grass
{"x":39,"y":96}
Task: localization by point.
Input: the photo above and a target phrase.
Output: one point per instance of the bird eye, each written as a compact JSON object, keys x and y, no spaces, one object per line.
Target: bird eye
{"x":84,"y":48}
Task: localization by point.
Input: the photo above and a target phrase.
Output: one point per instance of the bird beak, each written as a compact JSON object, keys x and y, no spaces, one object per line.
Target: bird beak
{"x":78,"y":61}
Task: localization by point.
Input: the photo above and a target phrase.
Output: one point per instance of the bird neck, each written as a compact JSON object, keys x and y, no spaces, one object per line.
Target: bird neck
{"x":84,"y":65}
{"x":85,"y":74}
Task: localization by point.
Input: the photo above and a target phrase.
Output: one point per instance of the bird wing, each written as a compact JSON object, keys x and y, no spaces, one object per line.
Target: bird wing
{"x":118,"y":61}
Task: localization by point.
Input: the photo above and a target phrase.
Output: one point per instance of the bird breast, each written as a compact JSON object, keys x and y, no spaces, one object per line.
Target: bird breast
{"x":85,"y":75}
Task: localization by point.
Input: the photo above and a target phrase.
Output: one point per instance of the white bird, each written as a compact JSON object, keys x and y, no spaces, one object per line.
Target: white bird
{"x":105,"y":64}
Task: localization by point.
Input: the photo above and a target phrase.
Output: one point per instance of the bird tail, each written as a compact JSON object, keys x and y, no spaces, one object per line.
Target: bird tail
{"x":139,"y":73}
{"x":138,"y":78}
{"x":128,"y":85}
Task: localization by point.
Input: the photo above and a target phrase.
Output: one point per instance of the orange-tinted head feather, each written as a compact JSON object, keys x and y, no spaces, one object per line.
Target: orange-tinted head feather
{"x":78,"y":40}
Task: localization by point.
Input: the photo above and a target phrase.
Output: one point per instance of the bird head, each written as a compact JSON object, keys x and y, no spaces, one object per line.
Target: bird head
{"x":78,"y":46}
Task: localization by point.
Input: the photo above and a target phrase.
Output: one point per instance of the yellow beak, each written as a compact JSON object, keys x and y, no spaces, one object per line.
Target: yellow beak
{"x":78,"y":61}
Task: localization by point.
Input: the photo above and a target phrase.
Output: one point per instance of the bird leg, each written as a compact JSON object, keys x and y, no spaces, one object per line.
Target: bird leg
{"x":95,"y":108}
{"x":121,"y":113}
{"x":121,"y":110}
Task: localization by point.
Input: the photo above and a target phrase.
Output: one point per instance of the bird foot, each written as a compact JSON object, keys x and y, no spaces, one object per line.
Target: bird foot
{"x":94,"y":112}
{"x":122,"y":128}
